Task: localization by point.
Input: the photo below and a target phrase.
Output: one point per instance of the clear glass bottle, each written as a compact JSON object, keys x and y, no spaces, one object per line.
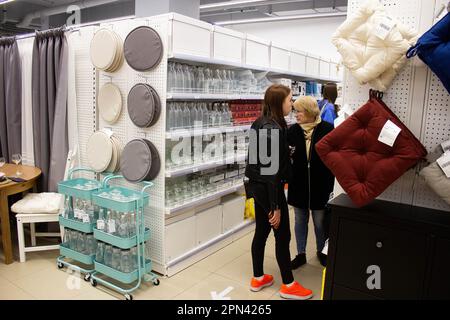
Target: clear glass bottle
{"x":107,"y":257}
{"x":207,"y":84}
{"x":200,"y":85}
{"x":134,"y":262}
{"x":123,"y":226}
{"x":179,"y":78}
{"x":187,"y":79}
{"x":125,"y":261}
{"x":132,"y":225}
{"x":100,"y":252}
{"x":116,"y":256}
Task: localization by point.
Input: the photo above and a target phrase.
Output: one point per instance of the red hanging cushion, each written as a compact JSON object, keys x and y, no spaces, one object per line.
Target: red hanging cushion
{"x":364,"y":166}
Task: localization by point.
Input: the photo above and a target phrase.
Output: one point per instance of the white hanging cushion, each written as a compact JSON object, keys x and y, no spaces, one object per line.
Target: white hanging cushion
{"x":99,"y":151}
{"x":110,"y":103}
{"x":370,"y":58}
{"x":437,"y":181}
{"x":106,"y":50}
{"x":46,"y":202}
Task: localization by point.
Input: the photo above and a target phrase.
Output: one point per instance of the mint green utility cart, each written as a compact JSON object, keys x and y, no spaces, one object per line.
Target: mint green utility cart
{"x":124,"y":200}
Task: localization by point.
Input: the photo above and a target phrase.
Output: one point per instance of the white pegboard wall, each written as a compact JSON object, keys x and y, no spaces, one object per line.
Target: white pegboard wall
{"x":86,"y":78}
{"x":398,"y":97}
{"x":125,"y":78}
{"x":433,"y":129}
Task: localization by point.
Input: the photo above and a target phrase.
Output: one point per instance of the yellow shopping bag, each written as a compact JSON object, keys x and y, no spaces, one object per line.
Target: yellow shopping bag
{"x":250,"y":208}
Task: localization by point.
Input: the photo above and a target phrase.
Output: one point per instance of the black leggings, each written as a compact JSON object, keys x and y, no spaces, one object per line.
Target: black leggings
{"x":282,"y":239}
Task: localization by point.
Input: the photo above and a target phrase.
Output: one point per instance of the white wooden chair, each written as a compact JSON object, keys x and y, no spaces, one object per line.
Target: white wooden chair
{"x":40,"y":208}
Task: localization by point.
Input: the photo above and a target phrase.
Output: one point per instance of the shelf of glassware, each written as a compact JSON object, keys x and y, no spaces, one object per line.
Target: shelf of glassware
{"x":194,"y":168}
{"x":202,"y":60}
{"x":206,"y":198}
{"x":213,"y":96}
{"x":195,"y":132}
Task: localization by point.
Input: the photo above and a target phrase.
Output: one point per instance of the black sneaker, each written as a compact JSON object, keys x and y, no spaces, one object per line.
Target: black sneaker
{"x":298,"y":261}
{"x":322,"y":258}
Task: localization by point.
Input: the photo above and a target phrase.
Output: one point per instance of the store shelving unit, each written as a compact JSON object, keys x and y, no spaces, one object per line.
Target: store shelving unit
{"x":177,"y":239}
{"x":206,"y":199}
{"x":184,"y":170}
{"x":184,"y":133}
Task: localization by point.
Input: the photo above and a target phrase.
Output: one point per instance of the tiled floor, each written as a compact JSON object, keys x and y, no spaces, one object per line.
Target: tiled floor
{"x":39,"y":278}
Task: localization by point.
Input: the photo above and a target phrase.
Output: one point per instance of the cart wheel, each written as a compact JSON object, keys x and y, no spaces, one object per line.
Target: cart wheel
{"x":128,"y":297}
{"x":60,"y":265}
{"x":156,"y":282}
{"x":87,"y":277}
{"x":93,"y":282}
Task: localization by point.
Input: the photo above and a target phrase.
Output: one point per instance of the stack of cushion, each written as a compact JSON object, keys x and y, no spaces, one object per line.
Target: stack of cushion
{"x":106,"y":50}
{"x":370,"y":58}
{"x":362,"y":164}
{"x":103,"y":152}
{"x":144,"y":105}
{"x":140,"y":161}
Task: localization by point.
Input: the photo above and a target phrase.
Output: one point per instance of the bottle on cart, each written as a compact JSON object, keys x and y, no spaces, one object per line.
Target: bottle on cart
{"x":132,"y":225}
{"x":81,"y":243}
{"x":123,"y":227}
{"x":134,"y":257}
{"x":100,"y":252}
{"x":125,"y":261}
{"x":107,"y":257}
{"x":116,"y":256}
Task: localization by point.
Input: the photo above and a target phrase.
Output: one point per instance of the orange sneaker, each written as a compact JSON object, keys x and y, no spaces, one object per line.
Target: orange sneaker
{"x":257,"y":285}
{"x":296,"y":291}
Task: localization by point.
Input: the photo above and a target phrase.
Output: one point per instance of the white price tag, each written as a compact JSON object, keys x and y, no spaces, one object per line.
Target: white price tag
{"x":78,"y":214}
{"x":389,"y":133}
{"x":444,"y":163}
{"x":445,"y":146}
{"x":100,"y":224}
{"x":384,"y":27}
{"x":85,"y":218}
{"x":111,"y":226}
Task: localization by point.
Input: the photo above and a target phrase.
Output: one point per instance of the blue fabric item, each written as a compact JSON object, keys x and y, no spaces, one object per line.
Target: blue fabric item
{"x":328,"y":114}
{"x":433,"y":48}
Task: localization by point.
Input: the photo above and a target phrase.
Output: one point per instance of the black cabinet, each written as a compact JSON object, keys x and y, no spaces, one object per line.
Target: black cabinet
{"x":387,"y":250}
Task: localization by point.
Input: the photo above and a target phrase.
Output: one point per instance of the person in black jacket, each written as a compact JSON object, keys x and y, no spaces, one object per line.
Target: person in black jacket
{"x":312,"y":182}
{"x":267,"y":172}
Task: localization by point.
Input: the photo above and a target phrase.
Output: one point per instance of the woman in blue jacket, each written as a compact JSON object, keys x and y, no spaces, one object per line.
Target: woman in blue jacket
{"x":328,"y":109}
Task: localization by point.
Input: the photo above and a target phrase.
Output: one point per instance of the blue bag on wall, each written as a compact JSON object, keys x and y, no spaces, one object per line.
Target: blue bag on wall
{"x":433,"y":48}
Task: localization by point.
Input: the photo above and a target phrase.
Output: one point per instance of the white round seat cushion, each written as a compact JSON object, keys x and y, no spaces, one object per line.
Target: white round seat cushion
{"x":103,"y":49}
{"x":46,"y":202}
{"x":99,"y":151}
{"x":110,"y":102}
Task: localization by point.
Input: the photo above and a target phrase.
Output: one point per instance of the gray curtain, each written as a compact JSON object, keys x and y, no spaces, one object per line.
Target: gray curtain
{"x":50,"y":83}
{"x":10,"y":99}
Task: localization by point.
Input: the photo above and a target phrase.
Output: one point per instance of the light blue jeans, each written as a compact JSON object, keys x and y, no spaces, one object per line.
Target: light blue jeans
{"x":301,"y":228}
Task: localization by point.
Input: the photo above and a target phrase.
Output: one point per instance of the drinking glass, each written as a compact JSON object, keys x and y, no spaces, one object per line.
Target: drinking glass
{"x":2,"y":161}
{"x":100,"y":252}
{"x":17,"y":159}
